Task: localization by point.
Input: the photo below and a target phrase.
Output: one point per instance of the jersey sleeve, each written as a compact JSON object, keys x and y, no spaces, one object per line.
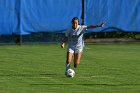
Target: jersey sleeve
{"x":84,"y":27}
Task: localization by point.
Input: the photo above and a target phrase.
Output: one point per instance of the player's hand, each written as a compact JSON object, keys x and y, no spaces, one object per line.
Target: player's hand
{"x":62,"y":45}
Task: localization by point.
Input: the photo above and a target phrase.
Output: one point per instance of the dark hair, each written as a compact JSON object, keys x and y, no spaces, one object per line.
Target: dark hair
{"x":75,"y":18}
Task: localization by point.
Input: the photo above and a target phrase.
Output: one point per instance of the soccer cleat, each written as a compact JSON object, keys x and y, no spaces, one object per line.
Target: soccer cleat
{"x":75,"y":65}
{"x":67,"y":66}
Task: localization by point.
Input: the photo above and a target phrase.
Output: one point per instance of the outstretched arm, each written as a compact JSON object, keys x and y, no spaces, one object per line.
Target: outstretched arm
{"x":95,"y":26}
{"x":64,"y":40}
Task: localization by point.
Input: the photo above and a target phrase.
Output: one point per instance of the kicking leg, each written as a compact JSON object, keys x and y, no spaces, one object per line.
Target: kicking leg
{"x":69,"y":59}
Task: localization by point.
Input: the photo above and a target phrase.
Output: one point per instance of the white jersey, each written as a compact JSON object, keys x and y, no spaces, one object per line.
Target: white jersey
{"x":75,"y":37}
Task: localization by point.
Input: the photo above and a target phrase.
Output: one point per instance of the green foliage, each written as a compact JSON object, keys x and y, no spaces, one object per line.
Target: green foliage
{"x":117,"y":34}
{"x":137,"y":36}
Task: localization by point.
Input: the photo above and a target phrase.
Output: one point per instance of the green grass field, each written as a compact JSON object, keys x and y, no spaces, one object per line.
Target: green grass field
{"x":113,"y":68}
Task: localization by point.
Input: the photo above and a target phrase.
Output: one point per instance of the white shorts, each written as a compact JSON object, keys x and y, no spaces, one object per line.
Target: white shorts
{"x":75,"y":50}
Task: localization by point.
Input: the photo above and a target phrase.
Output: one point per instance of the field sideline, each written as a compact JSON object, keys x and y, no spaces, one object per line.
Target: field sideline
{"x":111,"y":68}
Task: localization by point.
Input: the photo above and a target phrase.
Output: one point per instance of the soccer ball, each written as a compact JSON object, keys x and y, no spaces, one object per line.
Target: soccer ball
{"x":70,"y":73}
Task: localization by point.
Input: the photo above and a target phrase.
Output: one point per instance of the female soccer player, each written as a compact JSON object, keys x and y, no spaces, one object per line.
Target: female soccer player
{"x":75,"y":40}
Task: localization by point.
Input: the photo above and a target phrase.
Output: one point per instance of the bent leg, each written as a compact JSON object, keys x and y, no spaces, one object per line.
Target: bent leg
{"x":77,"y":57}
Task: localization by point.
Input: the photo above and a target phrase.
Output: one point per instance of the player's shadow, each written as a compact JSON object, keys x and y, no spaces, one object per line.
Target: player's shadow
{"x":29,"y":75}
{"x":48,"y":74}
{"x":68,"y":84}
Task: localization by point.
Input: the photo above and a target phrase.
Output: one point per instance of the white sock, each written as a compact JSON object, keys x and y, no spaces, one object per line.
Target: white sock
{"x":67,"y":66}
